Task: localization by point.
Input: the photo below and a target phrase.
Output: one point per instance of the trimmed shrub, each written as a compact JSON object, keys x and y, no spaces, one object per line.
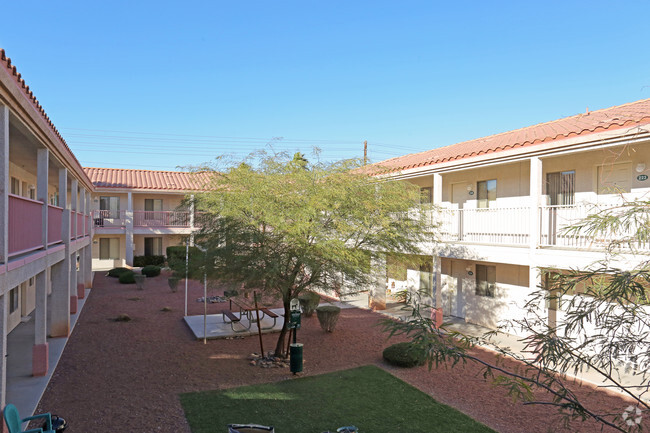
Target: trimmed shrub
{"x":127,"y":277}
{"x":328,"y":315}
{"x":151,"y":271}
{"x":404,"y":355}
{"x":309,"y":301}
{"x":116,"y":272}
{"x":141,"y":261}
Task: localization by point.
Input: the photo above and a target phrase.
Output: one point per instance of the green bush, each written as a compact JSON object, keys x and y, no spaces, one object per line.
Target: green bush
{"x":127,"y":277}
{"x":151,"y":271}
{"x":404,"y":355}
{"x":176,"y":260}
{"x":141,"y":261}
{"x":116,"y":272}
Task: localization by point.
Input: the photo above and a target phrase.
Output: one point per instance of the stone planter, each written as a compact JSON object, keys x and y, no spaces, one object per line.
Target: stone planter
{"x":173,"y":283}
{"x":139,"y":281}
{"x":328,"y":315}
{"x":309,"y":302}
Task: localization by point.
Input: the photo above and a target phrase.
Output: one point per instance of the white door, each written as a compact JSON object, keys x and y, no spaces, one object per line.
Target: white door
{"x":459,"y":195}
{"x":458,"y":274}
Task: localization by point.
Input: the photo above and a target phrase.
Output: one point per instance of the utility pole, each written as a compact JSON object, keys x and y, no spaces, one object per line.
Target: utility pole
{"x":365,"y":152}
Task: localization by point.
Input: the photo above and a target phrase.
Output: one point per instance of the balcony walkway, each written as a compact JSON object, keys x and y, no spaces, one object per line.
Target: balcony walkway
{"x":23,"y":389}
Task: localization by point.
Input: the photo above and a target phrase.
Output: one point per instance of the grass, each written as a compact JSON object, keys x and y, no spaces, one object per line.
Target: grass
{"x":367,"y":397}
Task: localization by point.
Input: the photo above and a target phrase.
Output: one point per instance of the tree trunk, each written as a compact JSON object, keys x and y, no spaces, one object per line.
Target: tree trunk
{"x":279,"y":347}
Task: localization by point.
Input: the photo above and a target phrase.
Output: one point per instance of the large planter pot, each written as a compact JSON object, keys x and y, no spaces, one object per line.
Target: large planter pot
{"x":139,"y":281}
{"x":309,"y":302}
{"x":173,"y":283}
{"x":328,"y":315}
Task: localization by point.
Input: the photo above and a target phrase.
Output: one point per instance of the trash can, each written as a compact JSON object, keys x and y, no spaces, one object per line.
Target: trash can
{"x":58,"y":424}
{"x":295,"y":361}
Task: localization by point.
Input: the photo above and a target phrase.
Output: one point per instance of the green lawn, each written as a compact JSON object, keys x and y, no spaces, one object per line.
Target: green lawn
{"x":367,"y":397}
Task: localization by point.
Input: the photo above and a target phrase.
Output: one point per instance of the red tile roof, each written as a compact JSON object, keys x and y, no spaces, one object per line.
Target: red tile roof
{"x":147,"y":179}
{"x":622,"y":116}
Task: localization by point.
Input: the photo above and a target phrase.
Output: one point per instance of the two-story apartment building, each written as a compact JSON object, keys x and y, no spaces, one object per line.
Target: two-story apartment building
{"x":45,"y":225}
{"x":139,"y":213}
{"x":503,"y":200}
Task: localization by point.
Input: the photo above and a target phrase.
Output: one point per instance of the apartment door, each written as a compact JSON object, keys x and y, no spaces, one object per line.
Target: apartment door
{"x":615,"y":178}
{"x":458,"y":274}
{"x":560,"y":188}
{"x":459,"y":195}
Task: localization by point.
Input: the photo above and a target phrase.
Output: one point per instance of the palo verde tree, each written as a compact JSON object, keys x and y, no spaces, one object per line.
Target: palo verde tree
{"x":601,"y":325}
{"x":286,"y":225}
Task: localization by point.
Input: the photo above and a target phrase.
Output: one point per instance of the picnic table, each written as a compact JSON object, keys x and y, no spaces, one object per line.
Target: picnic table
{"x":249,"y":311}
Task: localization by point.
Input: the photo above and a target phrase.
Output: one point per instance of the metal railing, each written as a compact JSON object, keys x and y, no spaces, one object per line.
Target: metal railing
{"x":503,"y":226}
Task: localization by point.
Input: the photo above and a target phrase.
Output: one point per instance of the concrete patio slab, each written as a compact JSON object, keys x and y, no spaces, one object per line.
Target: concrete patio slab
{"x":215,"y":327}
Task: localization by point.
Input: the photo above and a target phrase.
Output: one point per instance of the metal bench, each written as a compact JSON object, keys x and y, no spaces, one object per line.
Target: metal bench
{"x":271,"y":314}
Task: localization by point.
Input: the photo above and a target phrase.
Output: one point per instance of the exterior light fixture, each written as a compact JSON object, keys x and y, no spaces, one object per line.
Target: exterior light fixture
{"x":640,"y":167}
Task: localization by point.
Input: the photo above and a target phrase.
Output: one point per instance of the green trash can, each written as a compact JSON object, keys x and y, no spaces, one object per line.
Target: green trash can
{"x":295,"y":360}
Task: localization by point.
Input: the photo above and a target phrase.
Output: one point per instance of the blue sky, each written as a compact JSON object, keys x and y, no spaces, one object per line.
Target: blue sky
{"x":143,"y":84}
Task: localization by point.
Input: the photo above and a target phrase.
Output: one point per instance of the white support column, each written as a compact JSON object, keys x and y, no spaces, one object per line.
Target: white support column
{"x":377,"y":299}
{"x":4,"y":313}
{"x":60,"y":300}
{"x":191,"y":240}
{"x":74,"y":197}
{"x":437,"y":189}
{"x":129,"y":230}
{"x":88,"y":251}
{"x":40,"y":352}
{"x":42,"y":170}
{"x":535,"y":197}
{"x":82,"y":210}
{"x":4,"y":186}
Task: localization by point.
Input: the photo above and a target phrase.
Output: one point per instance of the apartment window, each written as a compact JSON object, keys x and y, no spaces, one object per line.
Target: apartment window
{"x":15,"y":186}
{"x":486,"y":193}
{"x":110,"y":206}
{"x":152,"y":205}
{"x":153,"y":247}
{"x":561,"y":188}
{"x":54,"y":199}
{"x":31,"y":281}
{"x":426,"y":195}
{"x":486,"y":280}
{"x":13,"y":300}
{"x":109,"y":248}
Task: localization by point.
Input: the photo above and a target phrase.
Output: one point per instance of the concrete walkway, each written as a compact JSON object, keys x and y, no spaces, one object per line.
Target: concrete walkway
{"x":502,"y":340}
{"x":23,"y":389}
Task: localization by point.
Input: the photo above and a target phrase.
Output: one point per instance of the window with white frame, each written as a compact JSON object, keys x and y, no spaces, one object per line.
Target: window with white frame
{"x":13,"y":300}
{"x":486,"y":280}
{"x":110,"y":206}
{"x":561,"y":188}
{"x":109,"y":248}
{"x":486,"y":193}
{"x":153,"y":246}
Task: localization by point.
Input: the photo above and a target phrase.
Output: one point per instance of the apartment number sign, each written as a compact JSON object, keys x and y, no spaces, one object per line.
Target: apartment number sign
{"x":642,"y":177}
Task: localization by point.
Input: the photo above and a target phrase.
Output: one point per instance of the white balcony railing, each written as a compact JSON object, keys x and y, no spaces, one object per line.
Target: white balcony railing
{"x":503,"y":226}
{"x":510,"y":226}
{"x":145,"y":218}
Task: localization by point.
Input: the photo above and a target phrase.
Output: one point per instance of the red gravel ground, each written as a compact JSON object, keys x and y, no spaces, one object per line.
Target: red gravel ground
{"x":126,"y":376}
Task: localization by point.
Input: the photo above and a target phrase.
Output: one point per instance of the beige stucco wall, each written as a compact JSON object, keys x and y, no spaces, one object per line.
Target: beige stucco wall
{"x":511,"y":293}
{"x":108,"y":264}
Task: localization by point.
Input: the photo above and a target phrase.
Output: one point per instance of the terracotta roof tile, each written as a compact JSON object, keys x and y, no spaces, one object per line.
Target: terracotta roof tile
{"x":622,"y":116}
{"x":6,"y":62}
{"x":147,"y":179}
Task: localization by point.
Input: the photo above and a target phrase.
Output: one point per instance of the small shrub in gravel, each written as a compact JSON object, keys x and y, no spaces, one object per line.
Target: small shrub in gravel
{"x":151,"y":271}
{"x":127,"y":277}
{"x":403,"y":355}
{"x":122,"y":318}
{"x":309,"y":301}
{"x":166,"y":309}
{"x":116,"y":272}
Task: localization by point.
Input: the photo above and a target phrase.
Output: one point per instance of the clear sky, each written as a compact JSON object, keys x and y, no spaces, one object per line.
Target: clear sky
{"x":161,"y":84}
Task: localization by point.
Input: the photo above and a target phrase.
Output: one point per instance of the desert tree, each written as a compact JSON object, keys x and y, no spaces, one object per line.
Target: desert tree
{"x":285,"y":225}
